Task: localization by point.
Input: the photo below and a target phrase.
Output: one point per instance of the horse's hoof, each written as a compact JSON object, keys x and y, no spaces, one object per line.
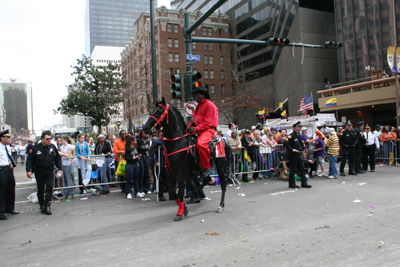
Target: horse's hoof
{"x":185,"y":212}
{"x":178,"y":218}
{"x":220,"y":209}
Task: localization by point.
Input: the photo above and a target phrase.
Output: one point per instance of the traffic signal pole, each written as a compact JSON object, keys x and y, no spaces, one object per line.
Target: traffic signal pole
{"x":153,"y":54}
{"x":188,"y":50}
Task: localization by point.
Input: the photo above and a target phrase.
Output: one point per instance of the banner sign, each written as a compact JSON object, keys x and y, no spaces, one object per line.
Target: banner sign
{"x":390,"y":58}
{"x":398,"y":59}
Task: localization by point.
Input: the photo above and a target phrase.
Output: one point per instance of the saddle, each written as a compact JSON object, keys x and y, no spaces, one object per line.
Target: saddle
{"x":216,"y":146}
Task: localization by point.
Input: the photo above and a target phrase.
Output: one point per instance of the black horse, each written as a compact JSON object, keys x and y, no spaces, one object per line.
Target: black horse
{"x":180,"y":154}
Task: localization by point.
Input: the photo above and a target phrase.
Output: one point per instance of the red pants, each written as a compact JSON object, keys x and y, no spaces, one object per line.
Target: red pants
{"x":202,"y":147}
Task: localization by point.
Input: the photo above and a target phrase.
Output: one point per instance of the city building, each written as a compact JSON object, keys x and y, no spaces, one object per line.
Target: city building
{"x":16,"y":105}
{"x":367,"y":29}
{"x":170,"y":50}
{"x":79,"y":122}
{"x":110,"y":23}
{"x":102,"y":56}
{"x":279,"y":72}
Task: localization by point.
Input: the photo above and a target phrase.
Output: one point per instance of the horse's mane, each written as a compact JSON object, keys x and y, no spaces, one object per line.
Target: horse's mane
{"x":179,"y":116}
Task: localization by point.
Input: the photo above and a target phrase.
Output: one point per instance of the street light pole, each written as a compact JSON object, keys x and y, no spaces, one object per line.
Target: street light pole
{"x":153,"y":54}
{"x":396,"y":64}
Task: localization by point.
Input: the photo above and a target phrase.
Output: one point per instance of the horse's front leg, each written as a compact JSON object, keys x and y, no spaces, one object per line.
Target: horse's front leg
{"x":182,"y":210}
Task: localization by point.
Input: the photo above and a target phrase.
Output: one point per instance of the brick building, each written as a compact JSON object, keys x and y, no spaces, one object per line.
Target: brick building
{"x":170,"y":50}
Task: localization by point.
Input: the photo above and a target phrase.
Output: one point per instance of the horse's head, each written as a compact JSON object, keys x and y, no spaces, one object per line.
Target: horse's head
{"x":159,"y":116}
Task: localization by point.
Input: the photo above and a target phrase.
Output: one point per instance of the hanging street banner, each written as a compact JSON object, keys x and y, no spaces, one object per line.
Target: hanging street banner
{"x":390,"y":58}
{"x":398,"y":59}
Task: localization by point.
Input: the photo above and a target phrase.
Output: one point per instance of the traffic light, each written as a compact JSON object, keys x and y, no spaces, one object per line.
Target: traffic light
{"x":276,"y":41}
{"x":329,"y":44}
{"x":176,"y":86}
{"x":195,"y":80}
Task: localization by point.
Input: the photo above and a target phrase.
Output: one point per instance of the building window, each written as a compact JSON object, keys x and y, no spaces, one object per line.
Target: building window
{"x":176,"y":57}
{"x":175,"y":28}
{"x":169,"y":42}
{"x":222,"y":60}
{"x":220,"y":47}
{"x":207,"y":87}
{"x":204,"y":31}
{"x":205,"y":74}
{"x":193,"y":45}
{"x":171,"y":71}
{"x":176,"y":43}
{"x":211,"y":74}
{"x":209,"y":31}
{"x":169,"y":27}
{"x":211,"y":60}
{"x":212,"y":91}
{"x":170,"y":57}
{"x":205,"y":46}
{"x":205,"y":59}
{"x":220,"y":32}
{"x":210,"y":46}
{"x":177,"y":71}
{"x":222,"y":89}
{"x":178,"y":103}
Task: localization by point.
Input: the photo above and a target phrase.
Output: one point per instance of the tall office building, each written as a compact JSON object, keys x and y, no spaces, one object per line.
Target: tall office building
{"x":110,"y":22}
{"x":367,"y":29}
{"x":16,"y":104}
{"x":274,"y":70}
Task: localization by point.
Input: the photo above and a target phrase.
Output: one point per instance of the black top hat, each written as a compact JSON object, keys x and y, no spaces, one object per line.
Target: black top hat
{"x":5,"y":133}
{"x":202,"y":90}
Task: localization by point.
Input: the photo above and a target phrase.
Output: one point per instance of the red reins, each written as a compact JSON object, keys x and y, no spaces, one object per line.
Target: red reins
{"x":158,"y":121}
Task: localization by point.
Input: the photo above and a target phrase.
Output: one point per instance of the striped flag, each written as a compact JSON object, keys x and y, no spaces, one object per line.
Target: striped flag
{"x":306,"y":103}
{"x":331,"y":102}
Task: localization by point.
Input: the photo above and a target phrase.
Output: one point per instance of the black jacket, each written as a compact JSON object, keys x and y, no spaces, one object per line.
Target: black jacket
{"x":43,"y":157}
{"x":103,"y":150}
{"x":153,"y":155}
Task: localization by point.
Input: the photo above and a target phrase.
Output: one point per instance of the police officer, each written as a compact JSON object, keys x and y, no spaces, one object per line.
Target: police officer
{"x":41,"y":160}
{"x":295,"y":147}
{"x":347,"y":140}
{"x":371,"y":145}
{"x":358,"y":131}
{"x":7,"y":180}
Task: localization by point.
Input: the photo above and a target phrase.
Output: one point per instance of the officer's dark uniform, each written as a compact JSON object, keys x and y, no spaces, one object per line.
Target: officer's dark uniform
{"x":41,"y":160}
{"x":358,"y":148}
{"x":294,"y":141}
{"x":347,"y":140}
{"x":7,"y":185}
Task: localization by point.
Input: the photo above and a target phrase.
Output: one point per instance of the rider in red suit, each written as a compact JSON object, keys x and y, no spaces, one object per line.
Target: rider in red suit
{"x":205,"y":122}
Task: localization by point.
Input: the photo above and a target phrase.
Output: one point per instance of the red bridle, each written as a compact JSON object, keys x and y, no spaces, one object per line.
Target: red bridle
{"x":165,"y":113}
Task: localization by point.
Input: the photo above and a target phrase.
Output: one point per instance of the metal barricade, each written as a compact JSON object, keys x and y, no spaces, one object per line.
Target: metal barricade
{"x":388,"y":153}
{"x":97,"y":172}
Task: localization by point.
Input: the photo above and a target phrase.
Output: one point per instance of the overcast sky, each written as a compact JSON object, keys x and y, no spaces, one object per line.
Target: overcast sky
{"x":40,"y":40}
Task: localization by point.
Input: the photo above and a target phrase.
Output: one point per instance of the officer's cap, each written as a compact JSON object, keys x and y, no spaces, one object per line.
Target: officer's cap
{"x":297,"y":124}
{"x":367,"y":127}
{"x":378,"y":126}
{"x":360,"y":123}
{"x":5,"y":133}
{"x":247,"y":131}
{"x":349,"y":123}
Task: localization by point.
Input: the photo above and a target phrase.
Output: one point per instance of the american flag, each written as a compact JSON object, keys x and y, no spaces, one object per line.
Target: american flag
{"x":306,"y":103}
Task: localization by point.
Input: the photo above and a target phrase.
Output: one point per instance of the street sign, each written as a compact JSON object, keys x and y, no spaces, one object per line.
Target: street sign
{"x":189,"y":108}
{"x":193,"y":62}
{"x":193,"y":57}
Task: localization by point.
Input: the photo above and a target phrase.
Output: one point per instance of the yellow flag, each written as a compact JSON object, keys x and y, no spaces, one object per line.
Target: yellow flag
{"x":281,"y":105}
{"x":283,"y":114}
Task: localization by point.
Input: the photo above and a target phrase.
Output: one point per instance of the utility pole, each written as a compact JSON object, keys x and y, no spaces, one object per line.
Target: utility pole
{"x":153,"y":54}
{"x":397,"y":55}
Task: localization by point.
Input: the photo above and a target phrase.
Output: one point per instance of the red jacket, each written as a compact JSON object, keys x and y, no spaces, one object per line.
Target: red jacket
{"x":206,"y":114}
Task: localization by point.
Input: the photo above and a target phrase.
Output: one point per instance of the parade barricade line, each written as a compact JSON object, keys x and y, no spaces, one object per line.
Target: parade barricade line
{"x":388,"y":153}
